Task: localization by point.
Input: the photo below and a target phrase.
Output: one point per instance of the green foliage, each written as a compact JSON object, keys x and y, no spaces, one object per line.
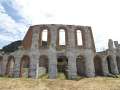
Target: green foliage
{"x":12,"y":46}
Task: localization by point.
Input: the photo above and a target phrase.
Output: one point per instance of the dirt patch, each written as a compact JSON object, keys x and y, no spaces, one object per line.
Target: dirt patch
{"x":97,"y":83}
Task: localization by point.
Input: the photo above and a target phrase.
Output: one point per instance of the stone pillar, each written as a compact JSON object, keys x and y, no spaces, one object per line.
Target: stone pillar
{"x":1,"y":67}
{"x":33,"y":71}
{"x":35,"y":37}
{"x":72,"y":70}
{"x":116,"y":44}
{"x":71,"y":38}
{"x":52,"y":54}
{"x":88,"y":41}
{"x":110,"y":45}
{"x":52,"y":64}
{"x":105,"y":66}
{"x":11,"y":68}
{"x":5,"y":58}
{"x":89,"y":63}
{"x":34,"y":53}
{"x":16,"y":68}
{"x":113,"y":64}
{"x":34,"y":65}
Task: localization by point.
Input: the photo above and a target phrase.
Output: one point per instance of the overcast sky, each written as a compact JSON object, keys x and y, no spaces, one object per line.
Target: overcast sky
{"x":102,"y":15}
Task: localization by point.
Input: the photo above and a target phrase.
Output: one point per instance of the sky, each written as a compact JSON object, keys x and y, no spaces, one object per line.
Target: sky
{"x":102,"y":15}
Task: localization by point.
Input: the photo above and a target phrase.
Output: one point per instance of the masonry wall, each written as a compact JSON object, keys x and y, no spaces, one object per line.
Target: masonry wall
{"x":79,"y":59}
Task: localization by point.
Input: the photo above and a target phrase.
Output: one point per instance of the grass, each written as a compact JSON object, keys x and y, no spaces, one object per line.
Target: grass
{"x":97,"y":83}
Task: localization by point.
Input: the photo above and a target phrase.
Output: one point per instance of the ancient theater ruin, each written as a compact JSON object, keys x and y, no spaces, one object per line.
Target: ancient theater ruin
{"x":68,"y":49}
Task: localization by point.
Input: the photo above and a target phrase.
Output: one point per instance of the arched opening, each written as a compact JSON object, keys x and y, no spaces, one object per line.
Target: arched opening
{"x":10,"y":66}
{"x":98,"y":65}
{"x":79,"y":38}
{"x":118,"y":62}
{"x":62,"y":37}
{"x":43,"y":65}
{"x":80,"y":64}
{"x":109,"y":63}
{"x":25,"y":66}
{"x":1,"y":65}
{"x":62,"y":65}
{"x":44,"y":38}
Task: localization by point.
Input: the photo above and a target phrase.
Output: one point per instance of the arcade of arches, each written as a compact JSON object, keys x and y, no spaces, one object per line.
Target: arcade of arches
{"x":62,"y":65}
{"x":38,"y":54}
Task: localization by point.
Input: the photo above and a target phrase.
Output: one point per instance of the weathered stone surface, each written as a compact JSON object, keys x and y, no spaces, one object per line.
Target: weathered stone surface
{"x":33,"y":49}
{"x":16,"y":70}
{"x":105,"y":66}
{"x":89,"y":64}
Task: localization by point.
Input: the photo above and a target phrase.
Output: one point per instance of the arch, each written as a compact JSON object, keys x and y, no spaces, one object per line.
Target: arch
{"x":25,"y":66}
{"x":44,"y":38}
{"x":1,"y":65}
{"x":80,"y":65}
{"x":109,"y":63}
{"x":10,"y":66}
{"x":118,"y":62}
{"x":62,"y":65}
{"x":43,"y":65}
{"x":62,"y":37}
{"x":98,"y":65}
{"x":79,"y":37}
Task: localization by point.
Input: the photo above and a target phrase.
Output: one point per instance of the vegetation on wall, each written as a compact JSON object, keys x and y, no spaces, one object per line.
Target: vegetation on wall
{"x":12,"y":46}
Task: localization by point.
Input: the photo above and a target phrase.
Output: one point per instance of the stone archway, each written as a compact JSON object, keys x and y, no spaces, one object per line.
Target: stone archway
{"x":109,"y":63}
{"x":25,"y":66}
{"x":43,"y":65}
{"x":80,"y":64}
{"x":118,"y":62}
{"x":62,"y":65}
{"x":98,"y":65}
{"x":10,"y":66}
{"x":1,"y":65}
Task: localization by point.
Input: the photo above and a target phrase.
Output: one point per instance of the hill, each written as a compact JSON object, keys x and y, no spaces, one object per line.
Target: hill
{"x":12,"y":46}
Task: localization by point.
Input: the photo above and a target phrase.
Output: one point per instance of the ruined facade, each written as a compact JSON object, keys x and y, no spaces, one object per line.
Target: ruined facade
{"x":68,"y":49}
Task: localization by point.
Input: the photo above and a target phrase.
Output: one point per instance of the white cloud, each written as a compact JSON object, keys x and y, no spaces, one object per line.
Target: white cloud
{"x":12,"y":30}
{"x":102,"y":15}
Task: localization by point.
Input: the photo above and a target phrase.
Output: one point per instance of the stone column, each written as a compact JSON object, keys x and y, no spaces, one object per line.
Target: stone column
{"x":112,"y":57}
{"x":16,"y":68}
{"x":72,"y":70}
{"x":89,"y":64}
{"x":34,"y":53}
{"x":52,"y":54}
{"x":52,"y":64}
{"x":105,"y":66}
{"x":33,"y":73}
{"x":11,"y":68}
{"x":3,"y":69}
{"x":35,"y":38}
{"x":89,"y":52}
{"x":113,"y":64}
{"x":34,"y":65}
{"x":88,"y":38}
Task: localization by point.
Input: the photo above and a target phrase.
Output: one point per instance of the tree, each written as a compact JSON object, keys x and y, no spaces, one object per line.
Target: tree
{"x":12,"y":46}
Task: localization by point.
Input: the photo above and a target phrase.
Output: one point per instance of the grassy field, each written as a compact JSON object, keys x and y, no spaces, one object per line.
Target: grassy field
{"x":97,"y":83}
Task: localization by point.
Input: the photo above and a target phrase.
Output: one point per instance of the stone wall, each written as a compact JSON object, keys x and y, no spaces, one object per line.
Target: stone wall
{"x":33,"y":49}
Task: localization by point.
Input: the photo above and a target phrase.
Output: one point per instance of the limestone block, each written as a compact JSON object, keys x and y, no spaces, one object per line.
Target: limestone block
{"x":41,"y":71}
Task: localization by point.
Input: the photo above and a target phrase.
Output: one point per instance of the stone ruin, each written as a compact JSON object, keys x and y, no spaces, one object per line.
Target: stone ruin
{"x":68,"y":49}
